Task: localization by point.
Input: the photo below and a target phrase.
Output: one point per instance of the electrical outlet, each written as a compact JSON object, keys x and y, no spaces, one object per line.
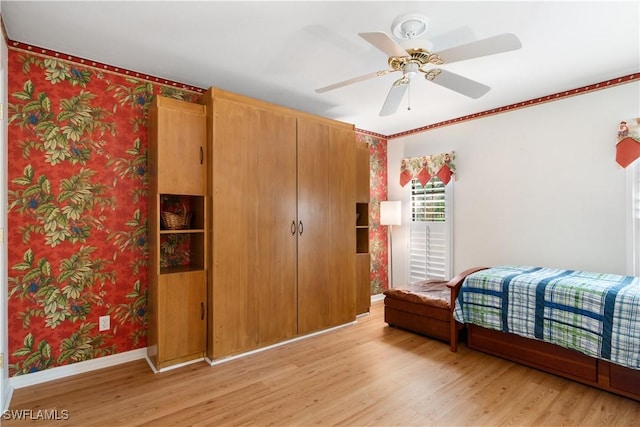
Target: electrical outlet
{"x":105,"y":323}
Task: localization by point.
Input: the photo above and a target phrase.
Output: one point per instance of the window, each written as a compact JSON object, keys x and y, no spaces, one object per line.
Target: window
{"x":428,"y":202}
{"x":430,"y":231}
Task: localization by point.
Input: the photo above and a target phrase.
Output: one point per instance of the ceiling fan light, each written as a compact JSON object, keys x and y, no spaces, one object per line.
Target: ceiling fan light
{"x":410,"y":69}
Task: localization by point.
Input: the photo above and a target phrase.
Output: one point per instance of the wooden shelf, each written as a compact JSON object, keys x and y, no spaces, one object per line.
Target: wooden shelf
{"x":183,"y":231}
{"x":362,"y":228}
{"x":187,"y":245}
{"x":179,"y":269}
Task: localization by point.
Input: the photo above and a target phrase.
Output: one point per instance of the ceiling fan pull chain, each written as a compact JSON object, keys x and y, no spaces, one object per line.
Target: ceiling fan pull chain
{"x":409,"y":99}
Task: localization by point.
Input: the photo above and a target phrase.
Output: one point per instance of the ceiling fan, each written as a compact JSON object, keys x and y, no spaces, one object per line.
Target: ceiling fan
{"x":416,"y":58}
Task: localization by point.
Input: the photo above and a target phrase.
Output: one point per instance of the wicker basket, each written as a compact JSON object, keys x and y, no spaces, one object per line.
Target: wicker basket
{"x":176,"y":221}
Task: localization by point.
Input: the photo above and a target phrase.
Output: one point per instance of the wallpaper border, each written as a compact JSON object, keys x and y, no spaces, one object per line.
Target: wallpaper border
{"x":535,"y":101}
{"x":18,"y":46}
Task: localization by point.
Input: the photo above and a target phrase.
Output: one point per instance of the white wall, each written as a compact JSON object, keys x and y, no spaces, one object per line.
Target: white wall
{"x":535,"y":186}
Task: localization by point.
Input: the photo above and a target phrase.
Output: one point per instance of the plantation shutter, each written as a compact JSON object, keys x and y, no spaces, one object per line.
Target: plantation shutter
{"x":430,"y":236}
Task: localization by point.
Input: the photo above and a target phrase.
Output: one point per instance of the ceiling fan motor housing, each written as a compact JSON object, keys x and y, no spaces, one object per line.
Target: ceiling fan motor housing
{"x":410,"y":26}
{"x":420,"y":57}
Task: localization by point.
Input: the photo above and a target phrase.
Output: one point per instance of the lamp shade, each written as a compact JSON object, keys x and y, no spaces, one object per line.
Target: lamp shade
{"x":390,"y":212}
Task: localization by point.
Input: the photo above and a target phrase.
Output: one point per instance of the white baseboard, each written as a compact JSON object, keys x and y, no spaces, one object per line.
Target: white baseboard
{"x":377,"y":297}
{"x":7,"y":394}
{"x":177,"y":365}
{"x":58,"y":372}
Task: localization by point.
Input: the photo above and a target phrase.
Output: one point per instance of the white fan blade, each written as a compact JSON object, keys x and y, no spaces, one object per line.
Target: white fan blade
{"x":457,"y":83}
{"x":385,"y":43}
{"x":489,"y":46}
{"x":396,"y":93}
{"x":354,"y":80}
{"x":456,"y":37}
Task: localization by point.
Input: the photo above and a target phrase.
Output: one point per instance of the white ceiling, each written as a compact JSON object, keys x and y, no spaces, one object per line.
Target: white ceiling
{"x":282,"y":51}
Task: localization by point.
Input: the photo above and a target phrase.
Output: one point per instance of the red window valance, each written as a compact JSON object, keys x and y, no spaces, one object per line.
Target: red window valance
{"x":426,"y":167}
{"x":628,"y":146}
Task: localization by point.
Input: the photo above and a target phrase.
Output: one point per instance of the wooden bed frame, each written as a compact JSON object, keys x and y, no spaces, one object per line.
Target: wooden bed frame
{"x":556,"y":360}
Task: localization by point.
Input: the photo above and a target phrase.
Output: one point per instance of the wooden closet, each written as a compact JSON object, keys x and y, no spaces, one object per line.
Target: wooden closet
{"x":282,"y":208}
{"x":363,"y":258}
{"x":177,"y":291}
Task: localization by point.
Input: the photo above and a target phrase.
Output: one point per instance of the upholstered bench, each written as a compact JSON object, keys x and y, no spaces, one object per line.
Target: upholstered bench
{"x":426,"y":308}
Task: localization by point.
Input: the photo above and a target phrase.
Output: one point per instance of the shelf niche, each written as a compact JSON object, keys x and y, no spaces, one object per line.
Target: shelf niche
{"x":182,"y":246}
{"x":362,"y":228}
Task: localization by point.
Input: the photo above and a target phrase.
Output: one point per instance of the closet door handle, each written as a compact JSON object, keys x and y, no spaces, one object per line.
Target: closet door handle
{"x":201,"y":311}
{"x":201,"y":155}
{"x":293,"y":228}
{"x":301,"y":228}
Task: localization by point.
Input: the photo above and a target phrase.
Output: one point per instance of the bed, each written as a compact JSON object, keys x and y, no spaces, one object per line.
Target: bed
{"x":580,"y":325}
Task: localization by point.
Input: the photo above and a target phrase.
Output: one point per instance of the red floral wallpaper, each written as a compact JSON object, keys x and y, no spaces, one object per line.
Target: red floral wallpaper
{"x":77,"y":210}
{"x":378,"y":247}
{"x":77,"y":187}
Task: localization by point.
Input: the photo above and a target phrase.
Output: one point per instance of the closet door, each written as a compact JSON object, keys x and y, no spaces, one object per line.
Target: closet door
{"x":326,"y":243}
{"x":275,"y":180}
{"x":342,"y":261}
{"x":181,"y":134}
{"x":314,"y":275}
{"x":234,"y":214}
{"x":253,"y":279}
{"x":181,"y":332}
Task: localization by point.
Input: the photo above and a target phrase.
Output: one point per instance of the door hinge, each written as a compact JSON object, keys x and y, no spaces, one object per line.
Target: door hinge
{"x":1,"y":236}
{"x":1,"y":360}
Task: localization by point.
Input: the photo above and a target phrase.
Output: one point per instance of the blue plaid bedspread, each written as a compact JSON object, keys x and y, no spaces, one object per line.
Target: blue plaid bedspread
{"x":596,"y":314}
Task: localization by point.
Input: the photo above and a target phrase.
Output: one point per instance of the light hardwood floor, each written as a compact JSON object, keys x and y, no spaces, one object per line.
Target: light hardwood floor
{"x":361,"y":374}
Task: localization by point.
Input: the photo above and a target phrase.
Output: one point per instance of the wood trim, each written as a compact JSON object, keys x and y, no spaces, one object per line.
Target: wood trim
{"x":183,"y":106}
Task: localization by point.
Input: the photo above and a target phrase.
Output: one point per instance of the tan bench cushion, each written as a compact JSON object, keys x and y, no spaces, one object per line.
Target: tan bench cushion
{"x":430,"y":292}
